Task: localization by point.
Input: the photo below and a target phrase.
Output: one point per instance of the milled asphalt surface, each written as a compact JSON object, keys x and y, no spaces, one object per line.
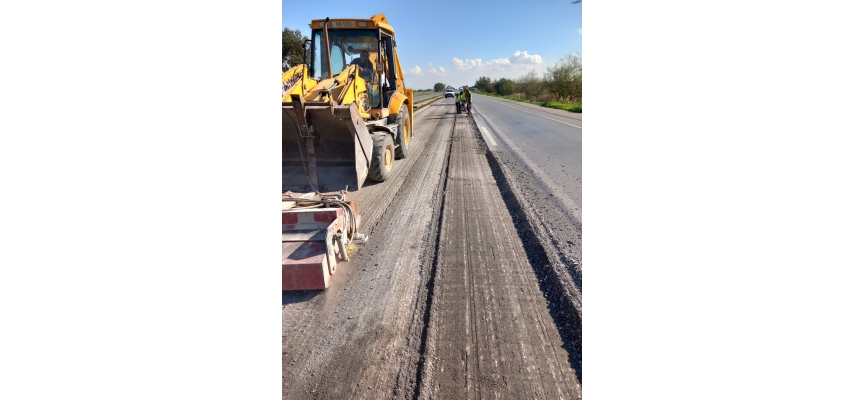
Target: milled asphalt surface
{"x":450,"y":297}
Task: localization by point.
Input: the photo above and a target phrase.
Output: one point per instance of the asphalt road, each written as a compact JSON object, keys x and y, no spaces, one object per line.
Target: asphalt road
{"x":548,"y":140}
{"x":447,"y":299}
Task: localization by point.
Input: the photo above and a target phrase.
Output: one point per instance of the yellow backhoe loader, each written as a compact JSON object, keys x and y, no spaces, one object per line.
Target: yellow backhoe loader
{"x":341,"y":122}
{"x":346,"y":116}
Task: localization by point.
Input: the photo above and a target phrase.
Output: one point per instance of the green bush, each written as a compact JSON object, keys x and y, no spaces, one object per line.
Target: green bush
{"x":573,"y":107}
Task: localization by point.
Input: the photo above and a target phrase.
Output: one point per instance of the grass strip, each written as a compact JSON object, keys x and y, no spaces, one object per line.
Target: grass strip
{"x":572,"y":107}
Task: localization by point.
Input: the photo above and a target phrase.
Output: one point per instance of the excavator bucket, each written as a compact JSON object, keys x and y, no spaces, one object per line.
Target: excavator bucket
{"x":325,"y":147}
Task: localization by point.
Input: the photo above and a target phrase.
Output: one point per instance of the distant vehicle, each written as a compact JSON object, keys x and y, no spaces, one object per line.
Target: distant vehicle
{"x":449,"y":93}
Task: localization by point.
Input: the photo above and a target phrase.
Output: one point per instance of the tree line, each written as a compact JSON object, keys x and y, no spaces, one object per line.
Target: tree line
{"x":562,"y":81}
{"x":292,"y":48}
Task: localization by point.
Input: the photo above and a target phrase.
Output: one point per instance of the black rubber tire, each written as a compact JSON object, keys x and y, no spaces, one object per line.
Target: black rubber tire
{"x":382,"y":162}
{"x":401,"y":132}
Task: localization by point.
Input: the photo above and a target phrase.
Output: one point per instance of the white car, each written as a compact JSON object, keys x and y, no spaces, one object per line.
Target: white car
{"x":449,"y":93}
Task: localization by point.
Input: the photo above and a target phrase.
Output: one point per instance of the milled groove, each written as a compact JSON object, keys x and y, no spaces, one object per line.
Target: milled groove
{"x":421,"y":303}
{"x":430,"y":284}
{"x":420,"y":306}
{"x":563,"y":309}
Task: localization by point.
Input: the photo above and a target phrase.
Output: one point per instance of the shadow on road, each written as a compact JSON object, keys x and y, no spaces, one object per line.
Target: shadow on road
{"x":369,"y":182}
{"x":299,"y":296}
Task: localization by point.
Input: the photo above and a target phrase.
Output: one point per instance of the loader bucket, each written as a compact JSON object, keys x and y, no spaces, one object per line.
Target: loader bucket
{"x":325,"y":147}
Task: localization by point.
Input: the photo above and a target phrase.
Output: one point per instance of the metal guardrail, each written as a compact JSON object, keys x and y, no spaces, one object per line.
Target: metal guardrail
{"x":425,"y":102}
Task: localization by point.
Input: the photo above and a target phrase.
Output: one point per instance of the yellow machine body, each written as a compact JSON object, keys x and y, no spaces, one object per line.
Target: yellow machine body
{"x":332,"y":121}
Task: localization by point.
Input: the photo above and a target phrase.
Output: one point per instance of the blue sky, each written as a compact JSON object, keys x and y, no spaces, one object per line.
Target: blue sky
{"x":455,"y":42}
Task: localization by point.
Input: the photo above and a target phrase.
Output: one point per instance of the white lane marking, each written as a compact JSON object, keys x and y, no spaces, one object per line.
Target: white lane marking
{"x":526,"y":112}
{"x":487,"y":136}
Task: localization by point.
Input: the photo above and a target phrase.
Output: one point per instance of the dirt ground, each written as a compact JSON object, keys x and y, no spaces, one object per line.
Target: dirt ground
{"x":443,"y":301}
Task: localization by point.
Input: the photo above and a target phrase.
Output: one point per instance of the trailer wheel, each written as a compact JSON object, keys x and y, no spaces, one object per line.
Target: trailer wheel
{"x":403,"y":133}
{"x":382,"y":157}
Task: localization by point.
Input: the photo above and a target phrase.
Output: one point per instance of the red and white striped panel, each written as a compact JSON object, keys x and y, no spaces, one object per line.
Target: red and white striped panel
{"x":316,"y":218}
{"x":307,"y":251}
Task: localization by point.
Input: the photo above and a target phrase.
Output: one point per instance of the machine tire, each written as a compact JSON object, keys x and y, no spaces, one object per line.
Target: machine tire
{"x":402,"y":136}
{"x":383,"y":155}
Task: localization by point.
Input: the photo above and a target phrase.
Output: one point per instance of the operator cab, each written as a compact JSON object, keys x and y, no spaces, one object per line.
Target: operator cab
{"x":346,"y":46}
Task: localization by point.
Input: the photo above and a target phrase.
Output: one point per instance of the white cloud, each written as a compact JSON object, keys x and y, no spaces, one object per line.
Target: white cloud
{"x":500,"y":62}
{"x":518,"y":58}
{"x":522,"y":57}
{"x":466,"y":71}
{"x":464,"y":65}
